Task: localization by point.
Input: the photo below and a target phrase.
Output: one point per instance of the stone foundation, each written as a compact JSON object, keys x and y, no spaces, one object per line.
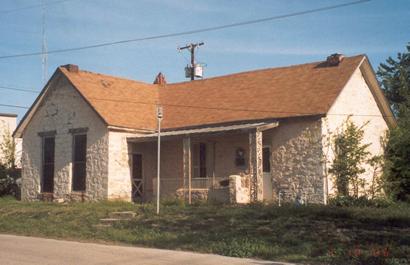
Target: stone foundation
{"x":196,"y":194}
{"x":220,"y":194}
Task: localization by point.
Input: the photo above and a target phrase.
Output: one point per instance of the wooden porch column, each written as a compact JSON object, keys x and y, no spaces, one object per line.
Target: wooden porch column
{"x":255,"y":166}
{"x":187,"y":167}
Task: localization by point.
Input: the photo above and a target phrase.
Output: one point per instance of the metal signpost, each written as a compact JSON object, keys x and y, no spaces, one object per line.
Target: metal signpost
{"x":159,"y":117}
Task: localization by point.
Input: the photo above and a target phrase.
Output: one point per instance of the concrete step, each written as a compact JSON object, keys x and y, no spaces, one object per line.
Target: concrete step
{"x":122,"y":215}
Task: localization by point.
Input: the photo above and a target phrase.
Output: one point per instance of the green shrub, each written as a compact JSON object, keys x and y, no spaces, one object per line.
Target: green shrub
{"x":172,"y":201}
{"x":8,"y":181}
{"x":9,"y":174}
{"x":350,"y":156}
{"x":363,"y":201}
{"x":363,"y":259}
{"x":397,"y":170}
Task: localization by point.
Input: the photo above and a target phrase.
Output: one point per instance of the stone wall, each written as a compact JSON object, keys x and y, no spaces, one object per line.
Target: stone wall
{"x":296,"y":164}
{"x":220,"y":194}
{"x":196,"y":194}
{"x":64,"y":109}
{"x":239,"y":189}
{"x":356,"y":98}
{"x":119,"y":166}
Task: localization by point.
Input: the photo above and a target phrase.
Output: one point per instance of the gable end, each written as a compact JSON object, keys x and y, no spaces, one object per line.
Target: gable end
{"x":53,"y":81}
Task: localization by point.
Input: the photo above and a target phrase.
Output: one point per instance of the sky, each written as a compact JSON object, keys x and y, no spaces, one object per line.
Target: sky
{"x":379,"y":28}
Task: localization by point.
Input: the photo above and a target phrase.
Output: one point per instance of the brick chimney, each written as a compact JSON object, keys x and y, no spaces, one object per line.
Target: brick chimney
{"x":334,"y":59}
{"x":160,"y":79}
{"x":73,"y":68}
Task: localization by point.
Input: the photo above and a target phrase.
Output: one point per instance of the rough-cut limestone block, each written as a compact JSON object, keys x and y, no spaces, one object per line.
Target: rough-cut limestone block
{"x":239,"y":189}
{"x":65,"y":109}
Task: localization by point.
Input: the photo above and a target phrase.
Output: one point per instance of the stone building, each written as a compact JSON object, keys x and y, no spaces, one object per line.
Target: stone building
{"x":240,"y":137}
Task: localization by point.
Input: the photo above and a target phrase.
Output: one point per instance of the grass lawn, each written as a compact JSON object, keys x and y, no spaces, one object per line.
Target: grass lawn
{"x":308,"y":234}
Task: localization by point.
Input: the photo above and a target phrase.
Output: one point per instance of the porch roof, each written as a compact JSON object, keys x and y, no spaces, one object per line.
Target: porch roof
{"x":260,"y":126}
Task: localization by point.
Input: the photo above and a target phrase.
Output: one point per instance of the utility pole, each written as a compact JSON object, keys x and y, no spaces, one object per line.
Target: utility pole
{"x":191,"y":47}
{"x":159,"y":117}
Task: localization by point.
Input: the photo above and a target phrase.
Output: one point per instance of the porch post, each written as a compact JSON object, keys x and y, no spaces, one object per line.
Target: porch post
{"x":255,"y":165}
{"x":187,"y":166}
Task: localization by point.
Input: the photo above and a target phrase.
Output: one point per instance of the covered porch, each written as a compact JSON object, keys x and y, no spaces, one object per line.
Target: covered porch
{"x":198,"y":163}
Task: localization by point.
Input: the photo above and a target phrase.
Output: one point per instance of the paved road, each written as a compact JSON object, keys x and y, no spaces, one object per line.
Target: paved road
{"x":19,"y":250}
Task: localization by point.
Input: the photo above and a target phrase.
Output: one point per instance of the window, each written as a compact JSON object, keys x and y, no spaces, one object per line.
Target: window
{"x":266,"y":159}
{"x":79,"y":161}
{"x":199,"y":160}
{"x":48,"y":164}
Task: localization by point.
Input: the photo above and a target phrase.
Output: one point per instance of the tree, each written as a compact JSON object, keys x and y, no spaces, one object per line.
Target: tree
{"x":394,"y":76}
{"x":350,"y":155}
{"x":397,"y":165}
{"x":8,"y":149}
{"x":376,"y":182}
{"x":8,"y":172}
{"x":395,"y":80}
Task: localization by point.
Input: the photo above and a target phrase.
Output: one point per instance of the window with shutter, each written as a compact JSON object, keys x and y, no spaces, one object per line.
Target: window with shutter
{"x":199,"y":160}
{"x":79,"y":162}
{"x":48,"y":164}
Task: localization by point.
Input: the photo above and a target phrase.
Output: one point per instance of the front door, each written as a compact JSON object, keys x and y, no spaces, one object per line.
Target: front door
{"x":137,"y":179}
{"x":267,"y":178}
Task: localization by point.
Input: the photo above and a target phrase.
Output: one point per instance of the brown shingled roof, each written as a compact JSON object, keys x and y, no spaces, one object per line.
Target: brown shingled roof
{"x":120,"y":102}
{"x":300,"y":90}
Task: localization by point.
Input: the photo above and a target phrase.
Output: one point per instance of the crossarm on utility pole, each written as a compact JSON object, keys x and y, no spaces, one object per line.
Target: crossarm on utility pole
{"x":191,"y":47}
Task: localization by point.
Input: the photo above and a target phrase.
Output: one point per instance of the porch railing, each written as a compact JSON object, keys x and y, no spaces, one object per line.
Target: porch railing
{"x":205,"y":183}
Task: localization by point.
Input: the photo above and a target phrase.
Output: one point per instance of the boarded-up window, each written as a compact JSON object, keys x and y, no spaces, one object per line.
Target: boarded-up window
{"x":266,"y":159}
{"x":79,"y":161}
{"x":48,"y":164}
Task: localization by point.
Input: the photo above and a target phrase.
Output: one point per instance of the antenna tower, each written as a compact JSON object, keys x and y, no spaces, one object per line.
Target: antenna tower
{"x":44,"y":42}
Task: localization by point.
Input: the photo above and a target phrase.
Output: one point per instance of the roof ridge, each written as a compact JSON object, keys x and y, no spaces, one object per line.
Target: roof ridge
{"x":110,"y":76}
{"x":209,"y":78}
{"x":260,"y":70}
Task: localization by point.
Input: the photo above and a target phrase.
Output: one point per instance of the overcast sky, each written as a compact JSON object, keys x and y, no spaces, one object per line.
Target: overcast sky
{"x":379,"y":28}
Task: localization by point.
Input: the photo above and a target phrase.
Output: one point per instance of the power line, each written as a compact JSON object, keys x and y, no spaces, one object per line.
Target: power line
{"x":189,"y":32}
{"x":31,"y":7}
{"x":14,"y":106}
{"x":19,"y":89}
{"x":221,"y":109}
{"x":237,"y":109}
